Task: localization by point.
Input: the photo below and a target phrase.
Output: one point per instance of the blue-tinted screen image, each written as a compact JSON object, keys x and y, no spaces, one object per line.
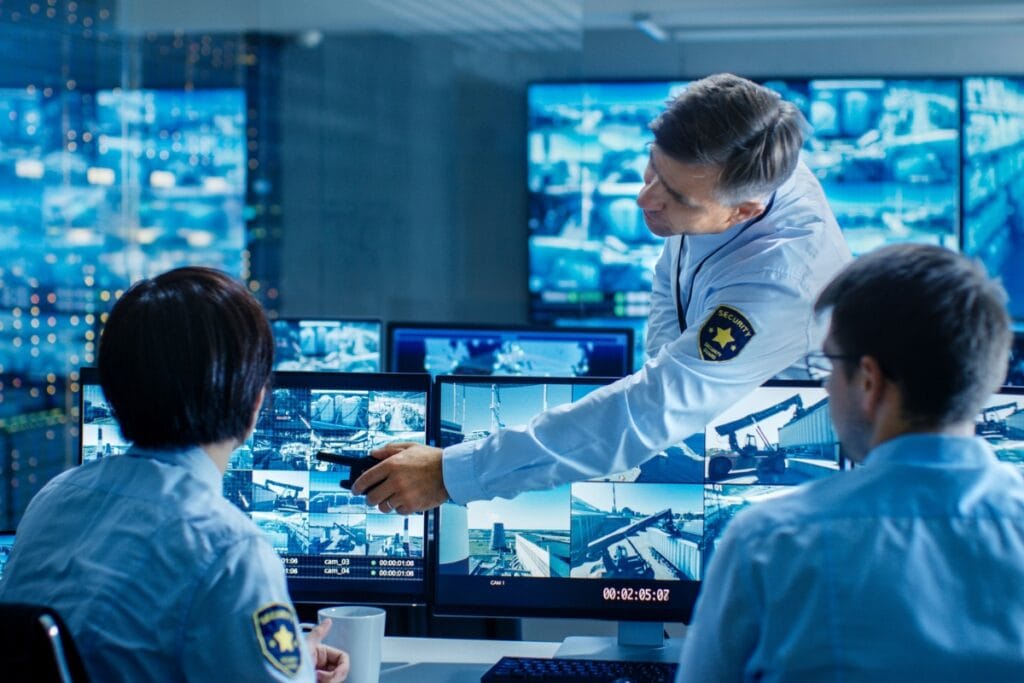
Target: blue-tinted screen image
{"x":6,"y":545}
{"x":886,"y":153}
{"x":638,"y":325}
{"x":329,"y":539}
{"x":590,"y":251}
{"x":99,"y":189}
{"x":994,"y":181}
{"x":327,"y":345}
{"x":1001,"y":423}
{"x":571,"y":549}
{"x":495,"y":350}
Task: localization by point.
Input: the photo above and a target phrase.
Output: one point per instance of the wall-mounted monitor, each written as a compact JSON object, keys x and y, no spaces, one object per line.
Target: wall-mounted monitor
{"x":327,"y":344}
{"x":442,"y":349}
{"x":590,"y":252}
{"x":886,"y":151}
{"x":334,"y":546}
{"x":994,"y":181}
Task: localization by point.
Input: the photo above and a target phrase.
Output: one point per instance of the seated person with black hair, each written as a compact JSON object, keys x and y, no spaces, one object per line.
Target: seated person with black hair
{"x":909,"y":567}
{"x":156,"y":574}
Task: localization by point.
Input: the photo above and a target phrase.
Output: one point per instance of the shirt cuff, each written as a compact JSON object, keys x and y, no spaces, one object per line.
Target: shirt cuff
{"x":458,"y":469}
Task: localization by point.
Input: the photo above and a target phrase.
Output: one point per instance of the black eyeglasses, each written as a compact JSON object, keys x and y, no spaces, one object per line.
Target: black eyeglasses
{"x":819,"y":364}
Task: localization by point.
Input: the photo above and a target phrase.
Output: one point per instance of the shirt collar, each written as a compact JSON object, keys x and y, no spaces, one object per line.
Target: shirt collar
{"x":931,"y":449}
{"x":192,"y":458}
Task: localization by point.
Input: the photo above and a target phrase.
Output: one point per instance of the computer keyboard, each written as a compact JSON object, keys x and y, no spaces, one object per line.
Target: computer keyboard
{"x":572,"y":670}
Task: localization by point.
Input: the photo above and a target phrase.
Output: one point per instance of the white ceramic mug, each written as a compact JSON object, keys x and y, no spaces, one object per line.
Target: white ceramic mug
{"x":359,"y":631}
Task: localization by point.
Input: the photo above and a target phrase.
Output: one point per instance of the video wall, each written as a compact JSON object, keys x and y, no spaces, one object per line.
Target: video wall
{"x":934,"y":160}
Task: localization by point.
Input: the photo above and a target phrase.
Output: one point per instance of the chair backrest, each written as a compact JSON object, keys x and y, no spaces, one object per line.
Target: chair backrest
{"x":35,"y":645}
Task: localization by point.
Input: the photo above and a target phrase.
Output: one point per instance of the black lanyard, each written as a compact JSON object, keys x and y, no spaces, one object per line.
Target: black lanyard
{"x":681,"y":310}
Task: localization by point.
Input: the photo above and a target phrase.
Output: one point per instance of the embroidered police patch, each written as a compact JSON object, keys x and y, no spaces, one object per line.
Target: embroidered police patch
{"x":278,"y":637}
{"x":724,"y":334}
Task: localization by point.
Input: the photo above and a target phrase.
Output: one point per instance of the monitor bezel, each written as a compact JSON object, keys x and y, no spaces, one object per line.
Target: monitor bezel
{"x":360,"y":591}
{"x":393,"y":327}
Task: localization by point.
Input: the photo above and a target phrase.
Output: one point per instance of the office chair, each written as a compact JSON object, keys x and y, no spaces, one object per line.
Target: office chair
{"x":35,"y":645}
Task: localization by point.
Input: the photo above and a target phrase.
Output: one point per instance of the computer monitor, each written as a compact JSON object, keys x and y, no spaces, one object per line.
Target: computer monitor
{"x":886,"y":151}
{"x":1001,"y":423}
{"x":327,"y":344}
{"x":993,"y":180}
{"x":454,"y":349}
{"x":638,"y":325}
{"x":334,"y":547}
{"x":590,"y":252}
{"x":631,"y":547}
{"x":6,"y":545}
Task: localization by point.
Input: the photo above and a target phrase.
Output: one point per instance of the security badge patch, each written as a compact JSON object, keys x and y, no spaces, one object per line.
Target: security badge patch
{"x":278,"y":637}
{"x":724,"y":334}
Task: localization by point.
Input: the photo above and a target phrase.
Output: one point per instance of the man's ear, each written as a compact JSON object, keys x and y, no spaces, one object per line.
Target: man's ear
{"x":256,"y":412}
{"x":872,"y":384}
{"x":745,"y":211}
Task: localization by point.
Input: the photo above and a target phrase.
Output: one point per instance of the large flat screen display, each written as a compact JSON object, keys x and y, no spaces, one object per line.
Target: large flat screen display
{"x":887,"y":154}
{"x":632,"y":546}
{"x":334,"y":546}
{"x":510,"y":350}
{"x":994,"y":181}
{"x":885,"y":150}
{"x":590,"y":252}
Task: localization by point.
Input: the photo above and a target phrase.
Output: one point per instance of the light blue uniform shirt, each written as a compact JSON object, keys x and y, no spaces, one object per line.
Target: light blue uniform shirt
{"x":157,"y":575}
{"x":910,"y":568}
{"x":770,"y":271}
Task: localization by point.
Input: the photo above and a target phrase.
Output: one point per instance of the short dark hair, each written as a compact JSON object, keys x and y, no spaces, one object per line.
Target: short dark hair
{"x":183,"y":357}
{"x":934,"y":321}
{"x":745,"y":129}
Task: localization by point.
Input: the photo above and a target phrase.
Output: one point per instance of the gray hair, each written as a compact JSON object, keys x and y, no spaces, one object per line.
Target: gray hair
{"x":746,"y":130}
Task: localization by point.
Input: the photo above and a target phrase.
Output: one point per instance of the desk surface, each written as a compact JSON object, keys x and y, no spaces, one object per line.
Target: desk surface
{"x":450,"y":660}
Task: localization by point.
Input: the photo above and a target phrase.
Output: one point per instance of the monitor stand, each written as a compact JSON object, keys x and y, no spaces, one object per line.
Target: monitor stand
{"x":637,"y":641}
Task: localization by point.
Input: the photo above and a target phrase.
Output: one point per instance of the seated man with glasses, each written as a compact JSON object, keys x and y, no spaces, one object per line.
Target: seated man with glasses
{"x":910,"y":566}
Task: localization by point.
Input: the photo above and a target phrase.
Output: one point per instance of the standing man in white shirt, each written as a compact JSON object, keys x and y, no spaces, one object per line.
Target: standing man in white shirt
{"x":910,"y":567}
{"x":750,"y":242}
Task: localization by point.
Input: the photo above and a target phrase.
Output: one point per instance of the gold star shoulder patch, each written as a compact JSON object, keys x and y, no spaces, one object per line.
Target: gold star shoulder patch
{"x":724,"y":334}
{"x":278,"y":637}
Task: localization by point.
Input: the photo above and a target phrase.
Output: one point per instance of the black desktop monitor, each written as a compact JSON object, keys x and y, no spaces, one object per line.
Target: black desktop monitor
{"x":327,"y":344}
{"x":631,"y":547}
{"x":453,"y":349}
{"x":334,"y":547}
{"x":1001,"y":423}
{"x":637,"y":325}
